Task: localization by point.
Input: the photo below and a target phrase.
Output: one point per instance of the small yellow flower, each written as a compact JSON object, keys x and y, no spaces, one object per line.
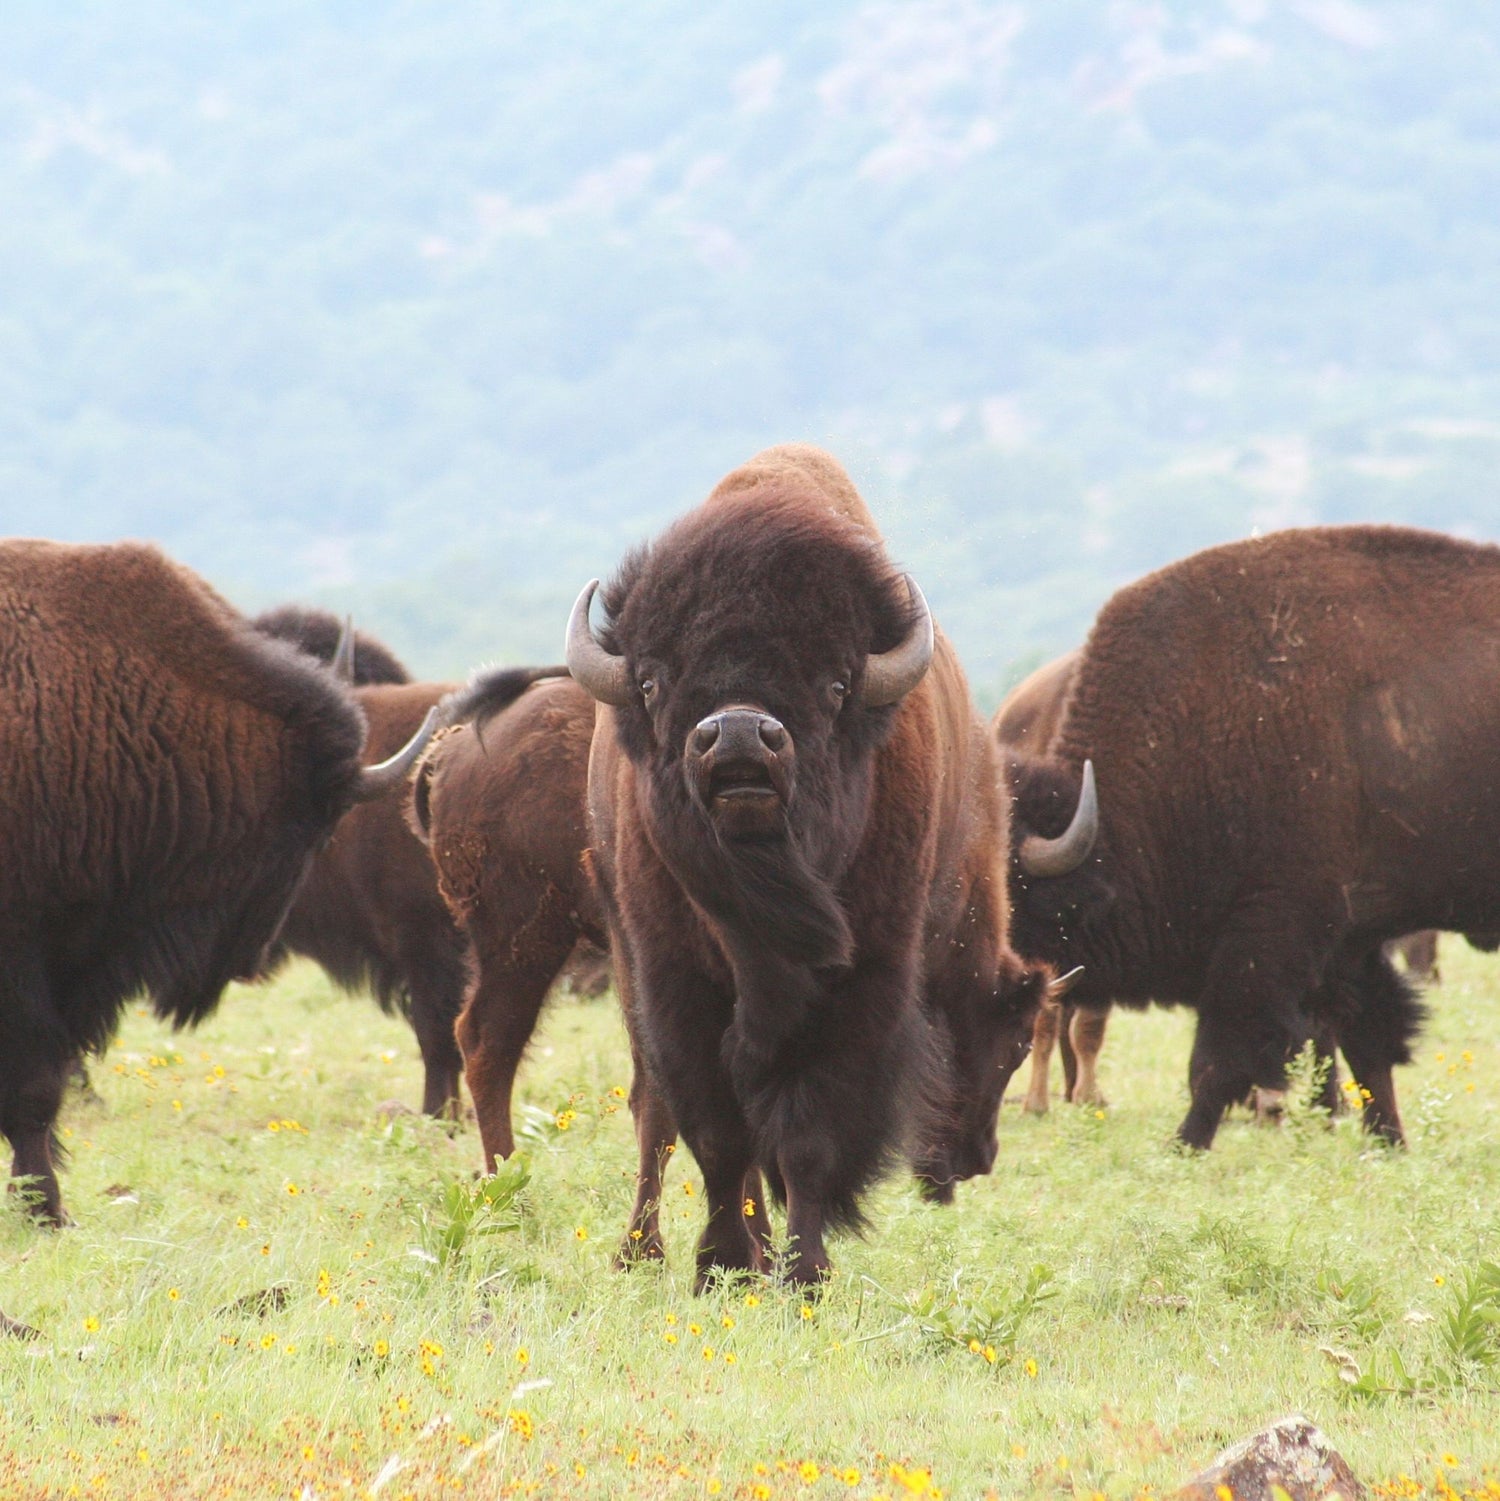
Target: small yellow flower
{"x":687,"y":1188}
{"x":293,"y":1190}
{"x":730,"y":1358}
{"x":618,"y":1091}
{"x":579,"y":1470}
{"x":989,"y":1354}
{"x":1031,"y":1368}
{"x":751,"y":1301}
{"x":807,"y":1312}
{"x":580,"y":1234}
{"x":671,"y":1318}
{"x":307,"y":1451}
{"x":708,"y":1352}
{"x":382,"y":1349}
{"x":695,"y":1328}
{"x":273,"y":1125}
{"x":1019,"y":1450}
{"x":565,"y":1118}
{"x":520,"y":1423}
{"x":267,"y":1340}
{"x":808,"y":1471}
{"x":174,"y":1293}
{"x":761,"y":1492}
{"x":1442,"y":1057}
{"x":849,"y":1476}
{"x":727,"y":1322}
{"x":176,"y":1104}
{"x":670,"y":1337}
{"x":1439,"y":1280}
{"x":523,"y":1356}
{"x":91,"y":1324}
{"x":1450,"y":1460}
{"x":714,"y":1486}
{"x":242,"y":1223}
{"x":975,"y":1347}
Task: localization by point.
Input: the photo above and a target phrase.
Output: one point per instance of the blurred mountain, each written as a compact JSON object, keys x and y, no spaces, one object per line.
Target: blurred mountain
{"x":431,"y":311}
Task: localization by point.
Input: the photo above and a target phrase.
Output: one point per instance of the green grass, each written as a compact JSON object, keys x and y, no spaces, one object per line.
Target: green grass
{"x":1189,"y":1296}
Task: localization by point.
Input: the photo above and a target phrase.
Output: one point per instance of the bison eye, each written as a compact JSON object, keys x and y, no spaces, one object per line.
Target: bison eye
{"x":648,"y":689}
{"x":840,"y":690}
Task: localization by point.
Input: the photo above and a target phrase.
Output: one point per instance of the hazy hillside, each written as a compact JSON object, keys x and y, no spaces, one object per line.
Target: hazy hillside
{"x":432,"y":310}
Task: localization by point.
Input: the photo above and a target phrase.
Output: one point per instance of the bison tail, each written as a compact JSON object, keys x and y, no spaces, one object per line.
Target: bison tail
{"x":488,"y":692}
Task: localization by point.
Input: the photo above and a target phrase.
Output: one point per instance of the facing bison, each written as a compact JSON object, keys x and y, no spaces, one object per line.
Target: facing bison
{"x":797,"y":830}
{"x":166,"y":774}
{"x":1295,"y":741}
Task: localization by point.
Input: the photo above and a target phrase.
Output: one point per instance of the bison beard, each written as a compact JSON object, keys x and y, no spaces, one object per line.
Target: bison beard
{"x":799,"y":843}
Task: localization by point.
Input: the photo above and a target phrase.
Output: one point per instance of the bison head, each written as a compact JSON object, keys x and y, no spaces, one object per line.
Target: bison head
{"x":754,"y":656}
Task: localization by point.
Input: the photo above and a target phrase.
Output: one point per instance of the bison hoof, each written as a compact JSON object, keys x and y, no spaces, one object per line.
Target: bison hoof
{"x":1035,"y":1105}
{"x":14,"y":1329}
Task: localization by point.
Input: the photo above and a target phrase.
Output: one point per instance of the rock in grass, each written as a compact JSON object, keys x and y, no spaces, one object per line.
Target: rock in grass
{"x":1289,"y":1461}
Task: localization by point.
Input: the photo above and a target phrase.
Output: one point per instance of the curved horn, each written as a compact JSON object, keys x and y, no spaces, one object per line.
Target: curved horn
{"x":603,"y":674}
{"x":342,"y":664}
{"x":377,"y":780}
{"x":891,"y":675}
{"x":1056,"y":857}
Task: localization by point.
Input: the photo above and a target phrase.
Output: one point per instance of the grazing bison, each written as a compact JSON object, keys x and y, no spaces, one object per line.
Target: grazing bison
{"x":1295,"y":741}
{"x":1026,"y":723}
{"x":797,"y":831}
{"x":166,"y":774}
{"x":503,"y":816}
{"x":355,"y":657}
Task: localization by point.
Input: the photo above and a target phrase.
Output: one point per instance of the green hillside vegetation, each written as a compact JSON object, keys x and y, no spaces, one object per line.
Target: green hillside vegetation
{"x":432,"y":311}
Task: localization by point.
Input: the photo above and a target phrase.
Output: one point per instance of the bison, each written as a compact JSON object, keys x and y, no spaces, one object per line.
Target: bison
{"x":798,"y":835}
{"x":503,"y":816}
{"x":1294,"y":738}
{"x":369,"y":911}
{"x":168,"y":773}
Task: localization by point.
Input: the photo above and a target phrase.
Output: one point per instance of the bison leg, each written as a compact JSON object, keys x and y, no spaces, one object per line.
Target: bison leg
{"x":514,"y":971}
{"x":1250,"y":1017}
{"x":1377,"y":1035}
{"x":1087,"y":1035}
{"x":656,"y":1139}
{"x":1045,"y":1033}
{"x":30,"y":1114}
{"x":436,"y":997}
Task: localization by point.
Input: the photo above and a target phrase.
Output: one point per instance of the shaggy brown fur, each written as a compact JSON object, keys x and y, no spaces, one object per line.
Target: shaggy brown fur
{"x":166,"y":774}
{"x":1294,"y":739}
{"x":317,"y":633}
{"x":778,"y":952}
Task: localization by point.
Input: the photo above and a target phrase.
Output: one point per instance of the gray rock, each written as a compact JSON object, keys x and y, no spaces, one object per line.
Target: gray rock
{"x":1289,"y":1461}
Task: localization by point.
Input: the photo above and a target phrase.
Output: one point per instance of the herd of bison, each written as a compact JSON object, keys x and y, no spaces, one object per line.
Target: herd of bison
{"x":838,"y":904}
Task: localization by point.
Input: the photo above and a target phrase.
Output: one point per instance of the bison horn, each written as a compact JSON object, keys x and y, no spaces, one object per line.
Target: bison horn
{"x":376,"y":781}
{"x":891,"y":675}
{"x":1056,"y":857}
{"x":343,"y":653}
{"x":604,"y":675}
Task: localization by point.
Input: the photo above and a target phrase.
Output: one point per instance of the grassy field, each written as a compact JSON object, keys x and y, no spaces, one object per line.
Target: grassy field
{"x":271,"y":1291}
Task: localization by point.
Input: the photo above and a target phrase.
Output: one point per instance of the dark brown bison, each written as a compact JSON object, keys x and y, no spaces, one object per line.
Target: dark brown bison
{"x":167,"y":774}
{"x":355,"y":657}
{"x":797,"y":832}
{"x":1295,"y":741}
{"x":503,"y":816}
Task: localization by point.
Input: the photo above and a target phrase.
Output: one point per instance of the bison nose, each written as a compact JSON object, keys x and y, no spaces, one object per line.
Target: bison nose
{"x":706,"y":734}
{"x":772,"y":733}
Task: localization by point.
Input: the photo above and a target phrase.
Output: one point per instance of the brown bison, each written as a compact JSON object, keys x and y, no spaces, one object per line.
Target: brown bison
{"x":798,"y":836}
{"x":167,"y":774}
{"x":369,"y":911}
{"x":503,"y":816}
{"x":1295,"y":747}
